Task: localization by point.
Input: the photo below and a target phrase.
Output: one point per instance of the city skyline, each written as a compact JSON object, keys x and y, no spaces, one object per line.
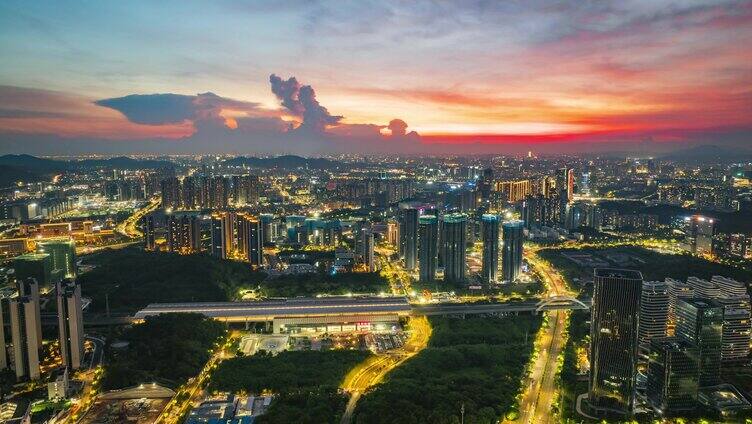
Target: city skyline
{"x":421,"y":78}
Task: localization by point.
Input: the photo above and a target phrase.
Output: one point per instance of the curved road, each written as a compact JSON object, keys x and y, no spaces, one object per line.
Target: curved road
{"x":373,"y":370}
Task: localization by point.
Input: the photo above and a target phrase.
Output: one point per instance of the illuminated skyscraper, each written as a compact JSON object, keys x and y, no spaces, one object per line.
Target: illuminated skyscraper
{"x":63,"y":255}
{"x":672,"y":376}
{"x":511,"y":259}
{"x":171,"y":193}
{"x":150,"y":232}
{"x":70,"y":323}
{"x":184,"y":233}
{"x":219,"y":192}
{"x":654,"y":307}
{"x":218,"y":237}
{"x":427,"y":247}
{"x":34,"y":265}
{"x":268,"y":229}
{"x":699,"y":234}
{"x":453,"y":245}
{"x":26,"y":330}
{"x":700,"y":323}
{"x":250,"y":239}
{"x":369,"y":259}
{"x":189,"y":193}
{"x":490,"y":270}
{"x":409,"y":237}
{"x":613,"y":340}
{"x":392,"y":232}
{"x":245,"y":189}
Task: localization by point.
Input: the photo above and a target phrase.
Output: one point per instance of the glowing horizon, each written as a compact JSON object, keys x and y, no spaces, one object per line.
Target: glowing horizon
{"x":453,"y":73}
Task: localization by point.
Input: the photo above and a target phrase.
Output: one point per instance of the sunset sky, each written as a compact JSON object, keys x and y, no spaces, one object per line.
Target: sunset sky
{"x":318,"y":77}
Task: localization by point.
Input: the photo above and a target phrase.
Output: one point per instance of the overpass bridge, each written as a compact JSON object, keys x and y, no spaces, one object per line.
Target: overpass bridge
{"x":350,"y":313}
{"x":362,"y":312}
{"x":513,"y":307}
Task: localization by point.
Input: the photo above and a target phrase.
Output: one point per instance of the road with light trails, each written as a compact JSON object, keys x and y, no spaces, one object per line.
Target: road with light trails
{"x":175,"y":410}
{"x":129,"y":227}
{"x":373,"y":370}
{"x":540,"y":390}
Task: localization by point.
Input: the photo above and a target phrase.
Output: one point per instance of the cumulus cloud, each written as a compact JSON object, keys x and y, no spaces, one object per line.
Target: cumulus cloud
{"x":300,"y":101}
{"x":397,"y":127}
{"x":205,"y":122}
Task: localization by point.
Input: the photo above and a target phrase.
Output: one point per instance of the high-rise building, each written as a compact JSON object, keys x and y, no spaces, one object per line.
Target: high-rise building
{"x":184,"y":233}
{"x":613,"y":340}
{"x":34,"y":265}
{"x":218,"y":236}
{"x":26,"y":330}
{"x":268,"y":229}
{"x":250,"y":238}
{"x":565,"y":184}
{"x":70,"y":323}
{"x":63,"y":255}
{"x":737,"y":322}
{"x":392,"y":232}
{"x":735,"y":340}
{"x":245,"y":189}
{"x":511,"y":256}
{"x":189,"y":193}
{"x":700,"y":323}
{"x":699,"y":234}
{"x":453,"y":246}
{"x":654,"y":305}
{"x":428,"y":233}
{"x":678,"y":290}
{"x":150,"y":234}
{"x":672,"y":376}
{"x":490,"y":228}
{"x":732,"y":296}
{"x":171,"y":193}
{"x":369,"y":258}
{"x":704,"y":288}
{"x":219,"y":192}
{"x":409,"y":237}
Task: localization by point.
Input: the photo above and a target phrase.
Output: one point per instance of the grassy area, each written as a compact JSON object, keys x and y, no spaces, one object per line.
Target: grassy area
{"x":167,"y":348}
{"x":134,"y":278}
{"x":477,"y":363}
{"x":313,"y":284}
{"x":653,"y":265}
{"x":305,"y":383}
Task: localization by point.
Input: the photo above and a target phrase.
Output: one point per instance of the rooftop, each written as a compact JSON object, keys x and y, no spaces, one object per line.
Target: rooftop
{"x":336,"y":305}
{"x":628,"y":274}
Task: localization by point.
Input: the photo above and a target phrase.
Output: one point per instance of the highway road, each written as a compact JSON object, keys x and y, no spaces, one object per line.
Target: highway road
{"x":373,"y":370}
{"x":540,"y":390}
{"x":129,"y":227}
{"x":192,"y":392}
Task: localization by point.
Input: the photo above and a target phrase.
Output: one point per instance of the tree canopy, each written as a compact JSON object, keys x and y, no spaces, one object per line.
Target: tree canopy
{"x":476,"y":363}
{"x":169,"y":348}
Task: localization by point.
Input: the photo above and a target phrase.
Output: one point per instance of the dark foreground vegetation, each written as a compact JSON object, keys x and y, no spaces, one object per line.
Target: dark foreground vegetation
{"x":133,"y":278}
{"x":477,"y":363}
{"x":313,"y":284}
{"x":306,"y":383}
{"x":168,"y":348}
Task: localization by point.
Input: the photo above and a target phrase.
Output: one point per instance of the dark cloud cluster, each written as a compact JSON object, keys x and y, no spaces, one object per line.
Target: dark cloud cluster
{"x":300,"y":101}
{"x":221,"y":124}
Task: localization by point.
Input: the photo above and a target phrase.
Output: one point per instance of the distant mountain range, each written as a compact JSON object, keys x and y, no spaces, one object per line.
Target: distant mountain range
{"x":14,"y":168}
{"x":705,"y":153}
{"x":287,"y":162}
{"x":33,"y":163}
